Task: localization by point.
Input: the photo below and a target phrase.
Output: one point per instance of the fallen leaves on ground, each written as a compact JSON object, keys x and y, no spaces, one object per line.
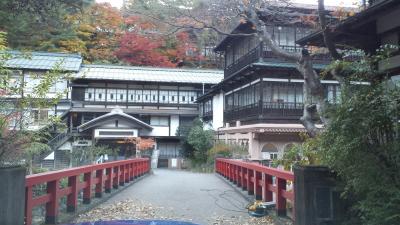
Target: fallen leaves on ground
{"x":138,"y":210}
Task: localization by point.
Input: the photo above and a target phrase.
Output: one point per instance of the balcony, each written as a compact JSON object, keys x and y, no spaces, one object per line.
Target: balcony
{"x":264,"y":54}
{"x":266,"y":110}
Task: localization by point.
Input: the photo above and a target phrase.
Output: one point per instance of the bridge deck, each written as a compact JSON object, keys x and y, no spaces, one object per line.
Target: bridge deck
{"x":180,"y":195}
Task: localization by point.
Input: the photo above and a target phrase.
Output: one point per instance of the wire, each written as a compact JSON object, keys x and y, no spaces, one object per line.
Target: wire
{"x":222,"y":193}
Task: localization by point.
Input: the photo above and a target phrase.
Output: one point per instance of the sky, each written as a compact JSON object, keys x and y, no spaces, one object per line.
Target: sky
{"x":118,"y":3}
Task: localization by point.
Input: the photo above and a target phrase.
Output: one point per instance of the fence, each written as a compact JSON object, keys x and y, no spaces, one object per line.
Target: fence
{"x":103,"y":176}
{"x":258,"y":181}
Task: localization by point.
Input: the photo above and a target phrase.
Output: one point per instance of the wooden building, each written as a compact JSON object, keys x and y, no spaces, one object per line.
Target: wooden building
{"x":260,"y":101}
{"x":377,"y":25}
{"x":107,"y":105}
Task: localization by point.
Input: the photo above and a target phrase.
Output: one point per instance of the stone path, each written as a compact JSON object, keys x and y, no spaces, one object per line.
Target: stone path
{"x":171,"y":194}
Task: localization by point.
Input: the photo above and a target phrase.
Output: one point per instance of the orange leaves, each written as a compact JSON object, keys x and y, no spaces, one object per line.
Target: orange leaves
{"x":142,"y":144}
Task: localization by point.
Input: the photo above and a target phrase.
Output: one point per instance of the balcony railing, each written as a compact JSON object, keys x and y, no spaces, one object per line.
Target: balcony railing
{"x":266,"y":110}
{"x":251,"y":57}
{"x":265,"y":53}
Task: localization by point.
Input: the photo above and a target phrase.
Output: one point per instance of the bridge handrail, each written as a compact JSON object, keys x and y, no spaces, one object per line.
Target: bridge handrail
{"x":107,"y":176}
{"x":258,"y":180}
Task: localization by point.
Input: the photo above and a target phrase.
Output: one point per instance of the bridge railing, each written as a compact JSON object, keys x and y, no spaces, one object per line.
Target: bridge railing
{"x":97,"y":178}
{"x":260,"y":181}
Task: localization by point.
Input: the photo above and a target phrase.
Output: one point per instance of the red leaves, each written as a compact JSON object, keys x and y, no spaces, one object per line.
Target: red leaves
{"x":139,"y":50}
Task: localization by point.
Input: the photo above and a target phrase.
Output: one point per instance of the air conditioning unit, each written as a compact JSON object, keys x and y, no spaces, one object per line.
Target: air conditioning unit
{"x":82,"y":143}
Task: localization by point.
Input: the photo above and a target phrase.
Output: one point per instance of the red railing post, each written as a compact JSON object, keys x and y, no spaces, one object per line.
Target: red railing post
{"x":72,"y":198}
{"x":52,"y":205}
{"x":87,"y":191}
{"x":244,"y":178}
{"x":240,"y":177}
{"x":280,"y":200}
{"x":122,"y":175}
{"x":267,"y":184}
{"x":250,"y":182}
{"x":131,"y":171}
{"x":257,"y":185}
{"x":99,"y":185}
{"x":109,"y":179}
{"x":127,"y":168}
{"x":28,"y":205}
{"x":116,"y":177}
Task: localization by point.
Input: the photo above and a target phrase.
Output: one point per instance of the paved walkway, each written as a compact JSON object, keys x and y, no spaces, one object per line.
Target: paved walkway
{"x":172,"y":194}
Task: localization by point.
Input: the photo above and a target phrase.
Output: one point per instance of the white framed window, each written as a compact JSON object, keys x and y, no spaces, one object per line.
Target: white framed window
{"x":163,"y":96}
{"x":184,"y":97}
{"x":121,"y":95}
{"x":100,"y":95}
{"x":173,"y":96}
{"x":154,"y":96}
{"x":131,"y":95}
{"x":111,"y":95}
{"x":159,"y":121}
{"x":192,"y":96}
{"x":146,"y":96}
{"x":89,"y":94}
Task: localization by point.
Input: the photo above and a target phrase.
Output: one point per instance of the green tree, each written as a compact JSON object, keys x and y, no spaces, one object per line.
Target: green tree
{"x":19,"y":144}
{"x":200,"y":139}
{"x":41,"y":25}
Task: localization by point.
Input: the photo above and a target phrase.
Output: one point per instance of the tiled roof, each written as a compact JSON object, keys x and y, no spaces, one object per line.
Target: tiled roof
{"x":43,"y":61}
{"x":130,"y":73}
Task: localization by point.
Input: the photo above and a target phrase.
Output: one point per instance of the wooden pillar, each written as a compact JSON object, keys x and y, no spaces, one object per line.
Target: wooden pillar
{"x":267,"y":194}
{"x":52,"y":206}
{"x":280,"y":200}
{"x":250,"y":182}
{"x":122,"y":175}
{"x":72,"y":199}
{"x":109,"y":179}
{"x":257,"y":185}
{"x":116,"y":177}
{"x":87,"y":191}
{"x":99,"y":185}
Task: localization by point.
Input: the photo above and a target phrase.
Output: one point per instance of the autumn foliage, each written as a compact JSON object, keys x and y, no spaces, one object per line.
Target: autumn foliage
{"x":138,"y":50}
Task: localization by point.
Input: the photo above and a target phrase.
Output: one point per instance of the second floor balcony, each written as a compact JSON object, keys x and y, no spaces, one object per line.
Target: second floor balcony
{"x":265,"y":111}
{"x":261,"y":53}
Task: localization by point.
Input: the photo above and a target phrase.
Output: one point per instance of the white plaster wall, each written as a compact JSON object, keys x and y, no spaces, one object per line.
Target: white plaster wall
{"x":174,"y":121}
{"x":158,"y":131}
{"x":218,"y":111}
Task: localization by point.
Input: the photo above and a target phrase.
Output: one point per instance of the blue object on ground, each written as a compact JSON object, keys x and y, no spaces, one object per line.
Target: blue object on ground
{"x":135,"y":222}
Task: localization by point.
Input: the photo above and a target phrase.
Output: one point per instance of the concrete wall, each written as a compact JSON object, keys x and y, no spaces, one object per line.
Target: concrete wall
{"x":218,"y":111}
{"x":12,"y":195}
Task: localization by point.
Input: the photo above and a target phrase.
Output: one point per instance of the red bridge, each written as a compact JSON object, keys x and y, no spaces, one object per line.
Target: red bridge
{"x":94,"y":180}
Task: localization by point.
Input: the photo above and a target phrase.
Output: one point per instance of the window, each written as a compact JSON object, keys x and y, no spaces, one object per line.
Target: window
{"x":121,"y":93}
{"x":159,"y":121}
{"x":164,"y":96}
{"x":100,"y":95}
{"x":269,"y":151}
{"x":173,"y":96}
{"x":89,"y":93}
{"x":111,"y":95}
{"x":39,"y":117}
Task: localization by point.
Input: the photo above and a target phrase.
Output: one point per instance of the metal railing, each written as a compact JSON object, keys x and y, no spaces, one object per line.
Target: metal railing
{"x":55,"y":142}
{"x":104,"y":176}
{"x":260,"y":181}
